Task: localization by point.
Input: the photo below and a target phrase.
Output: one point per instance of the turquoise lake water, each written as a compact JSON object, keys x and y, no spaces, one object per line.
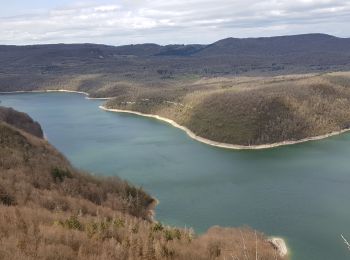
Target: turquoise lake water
{"x":299,"y":192}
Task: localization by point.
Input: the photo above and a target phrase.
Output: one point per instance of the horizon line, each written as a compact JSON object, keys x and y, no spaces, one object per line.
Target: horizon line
{"x":172,"y":44}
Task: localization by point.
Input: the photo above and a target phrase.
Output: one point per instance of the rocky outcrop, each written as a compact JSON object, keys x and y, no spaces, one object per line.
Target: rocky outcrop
{"x":280,"y":245}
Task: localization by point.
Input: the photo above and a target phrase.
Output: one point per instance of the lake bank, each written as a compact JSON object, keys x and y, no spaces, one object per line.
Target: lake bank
{"x":54,"y":90}
{"x":185,"y":129}
{"x":219,"y":144}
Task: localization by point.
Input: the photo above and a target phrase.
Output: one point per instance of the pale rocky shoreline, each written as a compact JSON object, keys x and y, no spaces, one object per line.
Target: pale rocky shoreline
{"x":280,"y":245}
{"x":54,"y":90}
{"x":224,"y":145}
{"x":185,"y":129}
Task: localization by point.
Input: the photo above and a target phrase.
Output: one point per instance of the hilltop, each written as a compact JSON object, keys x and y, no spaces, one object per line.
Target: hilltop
{"x":50,"y":210}
{"x":251,"y":111}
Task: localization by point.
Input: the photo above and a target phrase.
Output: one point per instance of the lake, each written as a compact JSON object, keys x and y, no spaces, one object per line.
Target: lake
{"x":299,"y":192}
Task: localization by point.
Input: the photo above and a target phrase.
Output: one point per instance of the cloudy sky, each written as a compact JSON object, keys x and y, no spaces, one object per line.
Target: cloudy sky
{"x":166,"y":21}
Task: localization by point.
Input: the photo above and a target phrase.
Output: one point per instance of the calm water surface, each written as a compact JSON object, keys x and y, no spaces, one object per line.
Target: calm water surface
{"x":299,"y":192}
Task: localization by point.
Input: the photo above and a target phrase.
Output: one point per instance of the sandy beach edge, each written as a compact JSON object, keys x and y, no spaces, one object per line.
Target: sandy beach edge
{"x":224,"y":145}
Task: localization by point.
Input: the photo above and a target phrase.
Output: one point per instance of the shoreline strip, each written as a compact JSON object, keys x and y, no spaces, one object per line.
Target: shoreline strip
{"x":224,"y":145}
{"x":185,"y":129}
{"x":54,"y":90}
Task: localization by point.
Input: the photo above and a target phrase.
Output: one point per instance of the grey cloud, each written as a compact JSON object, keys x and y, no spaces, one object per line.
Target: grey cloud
{"x":176,"y":21}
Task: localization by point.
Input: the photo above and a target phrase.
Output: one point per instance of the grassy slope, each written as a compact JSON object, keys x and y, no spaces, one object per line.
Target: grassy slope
{"x":252,"y":111}
{"x":49,"y":210}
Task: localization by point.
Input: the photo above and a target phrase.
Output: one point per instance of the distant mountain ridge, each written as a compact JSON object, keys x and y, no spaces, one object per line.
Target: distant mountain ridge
{"x":62,"y":65}
{"x":278,"y":45}
{"x":228,"y":46}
